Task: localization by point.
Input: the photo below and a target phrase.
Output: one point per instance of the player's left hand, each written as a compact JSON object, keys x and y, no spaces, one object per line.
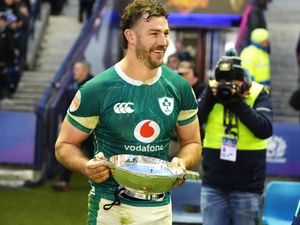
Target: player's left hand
{"x":179,"y":163}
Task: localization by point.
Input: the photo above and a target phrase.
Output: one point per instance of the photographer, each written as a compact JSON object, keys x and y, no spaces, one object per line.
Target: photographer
{"x":237,"y":115}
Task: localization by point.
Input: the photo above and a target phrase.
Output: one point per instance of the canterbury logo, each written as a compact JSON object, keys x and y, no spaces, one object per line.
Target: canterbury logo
{"x":124,"y":107}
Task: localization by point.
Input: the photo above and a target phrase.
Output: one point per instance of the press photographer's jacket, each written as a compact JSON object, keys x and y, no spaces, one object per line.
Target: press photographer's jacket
{"x":257,"y":61}
{"x":254,"y":125}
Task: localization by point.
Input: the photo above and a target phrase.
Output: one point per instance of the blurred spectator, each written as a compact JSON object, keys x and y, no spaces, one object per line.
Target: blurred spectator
{"x":253,"y":18}
{"x":3,"y":55}
{"x":173,"y":61}
{"x":255,"y":57}
{"x":187,"y":69}
{"x":256,"y":18}
{"x":26,"y":3}
{"x":23,"y":11}
{"x":298,"y":51}
{"x":295,"y":99}
{"x":81,"y":74}
{"x":8,"y":6}
{"x":230,"y":50}
{"x":183,"y":54}
{"x":85,"y":7}
{"x":6,"y":57}
{"x":57,"y":6}
{"x":17,"y":13}
{"x":14,"y":72}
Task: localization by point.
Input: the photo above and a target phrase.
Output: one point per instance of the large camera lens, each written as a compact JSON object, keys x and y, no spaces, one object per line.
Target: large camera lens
{"x":224,"y":92}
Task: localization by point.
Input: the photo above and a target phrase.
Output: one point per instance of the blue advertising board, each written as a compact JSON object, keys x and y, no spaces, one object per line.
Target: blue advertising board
{"x":17,"y":135}
{"x":283,"y":153}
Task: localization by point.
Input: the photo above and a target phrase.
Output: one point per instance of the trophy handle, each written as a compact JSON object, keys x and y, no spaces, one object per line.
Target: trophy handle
{"x":191,"y":175}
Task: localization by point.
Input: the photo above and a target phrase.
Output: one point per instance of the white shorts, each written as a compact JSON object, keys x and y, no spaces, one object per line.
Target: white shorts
{"x":133,"y":215}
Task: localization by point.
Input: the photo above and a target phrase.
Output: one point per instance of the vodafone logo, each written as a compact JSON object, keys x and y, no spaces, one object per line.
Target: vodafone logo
{"x":146,"y":131}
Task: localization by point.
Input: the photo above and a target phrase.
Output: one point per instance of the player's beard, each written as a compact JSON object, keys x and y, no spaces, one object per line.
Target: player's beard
{"x":144,"y":55}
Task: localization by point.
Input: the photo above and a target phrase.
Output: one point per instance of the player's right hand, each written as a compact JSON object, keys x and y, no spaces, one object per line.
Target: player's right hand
{"x":97,"y":171}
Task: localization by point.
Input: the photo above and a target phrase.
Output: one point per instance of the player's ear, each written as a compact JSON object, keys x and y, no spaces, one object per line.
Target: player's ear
{"x":130,"y":35}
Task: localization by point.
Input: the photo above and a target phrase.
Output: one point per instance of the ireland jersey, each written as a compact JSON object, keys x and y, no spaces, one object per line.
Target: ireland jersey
{"x":127,"y":116}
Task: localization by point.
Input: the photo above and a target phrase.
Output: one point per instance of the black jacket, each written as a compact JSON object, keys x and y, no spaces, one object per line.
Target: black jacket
{"x":6,"y":48}
{"x":295,"y":99}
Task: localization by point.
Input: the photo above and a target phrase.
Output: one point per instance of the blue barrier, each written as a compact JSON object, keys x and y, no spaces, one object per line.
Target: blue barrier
{"x":283,"y":155}
{"x":17,"y":132}
{"x":203,"y":20}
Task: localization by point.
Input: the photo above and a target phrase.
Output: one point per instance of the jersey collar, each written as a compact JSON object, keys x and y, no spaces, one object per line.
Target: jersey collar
{"x":129,"y":80}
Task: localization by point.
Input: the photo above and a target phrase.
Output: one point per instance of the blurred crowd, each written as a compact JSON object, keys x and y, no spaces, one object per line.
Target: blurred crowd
{"x":184,"y":64}
{"x":14,"y":32}
{"x":85,"y":8}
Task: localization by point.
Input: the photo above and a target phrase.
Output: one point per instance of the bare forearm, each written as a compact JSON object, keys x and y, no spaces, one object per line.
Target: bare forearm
{"x":68,"y":153}
{"x":190,"y":144}
{"x":190,"y":154}
{"x":71,"y":157}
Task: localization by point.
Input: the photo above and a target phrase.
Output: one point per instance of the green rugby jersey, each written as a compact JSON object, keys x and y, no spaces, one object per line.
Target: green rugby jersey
{"x":127,"y":116}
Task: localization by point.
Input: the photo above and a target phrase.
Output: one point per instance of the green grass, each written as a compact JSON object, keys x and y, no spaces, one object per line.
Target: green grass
{"x":43,"y":206}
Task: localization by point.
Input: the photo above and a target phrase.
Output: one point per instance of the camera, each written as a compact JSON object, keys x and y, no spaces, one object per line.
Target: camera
{"x":225,"y":91}
{"x":229,"y":69}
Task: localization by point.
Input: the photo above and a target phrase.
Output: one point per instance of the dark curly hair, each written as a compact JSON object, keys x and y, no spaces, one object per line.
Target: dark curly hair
{"x":134,"y":11}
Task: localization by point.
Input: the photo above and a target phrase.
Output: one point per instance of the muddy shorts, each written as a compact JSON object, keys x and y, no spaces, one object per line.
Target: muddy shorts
{"x":125,"y":214}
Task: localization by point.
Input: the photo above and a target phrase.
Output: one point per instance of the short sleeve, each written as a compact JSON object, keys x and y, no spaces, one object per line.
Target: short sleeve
{"x":82,"y":112}
{"x":188,"y":105}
